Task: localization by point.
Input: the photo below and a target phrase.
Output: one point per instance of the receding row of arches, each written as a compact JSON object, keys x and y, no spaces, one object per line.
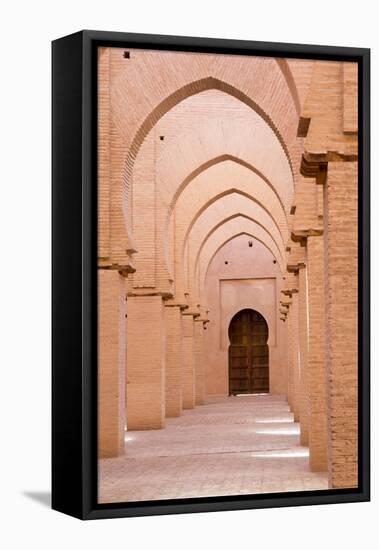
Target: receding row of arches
{"x":204,"y":216}
{"x":204,"y":168}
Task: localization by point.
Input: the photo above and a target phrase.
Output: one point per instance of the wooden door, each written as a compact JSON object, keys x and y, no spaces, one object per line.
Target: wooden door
{"x":248,"y":353}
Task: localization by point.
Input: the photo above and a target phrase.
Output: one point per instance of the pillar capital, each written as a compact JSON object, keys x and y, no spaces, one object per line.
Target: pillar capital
{"x":295,"y":267}
{"x":136,"y":292}
{"x":296,"y":257}
{"x":314,"y":163}
{"x":191,"y":311}
{"x":201,"y":319}
{"x":172,"y":302}
{"x":301,"y":235}
{"x":290,"y":291}
{"x":124,"y":269}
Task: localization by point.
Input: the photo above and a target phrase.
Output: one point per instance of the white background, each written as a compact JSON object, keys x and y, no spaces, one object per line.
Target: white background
{"x":26,"y":31}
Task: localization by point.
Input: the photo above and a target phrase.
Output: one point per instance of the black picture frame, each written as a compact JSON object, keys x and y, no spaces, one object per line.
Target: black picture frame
{"x":74,"y":295}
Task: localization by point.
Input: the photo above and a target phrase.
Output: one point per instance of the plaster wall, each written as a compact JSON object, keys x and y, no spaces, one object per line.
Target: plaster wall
{"x":250,"y":279}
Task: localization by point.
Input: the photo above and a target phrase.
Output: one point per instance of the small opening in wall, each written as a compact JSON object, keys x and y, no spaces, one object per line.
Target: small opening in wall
{"x":226,"y":262}
{"x":250,"y":243}
{"x":126,"y":55}
{"x":161,"y":138}
{"x":274,"y":261}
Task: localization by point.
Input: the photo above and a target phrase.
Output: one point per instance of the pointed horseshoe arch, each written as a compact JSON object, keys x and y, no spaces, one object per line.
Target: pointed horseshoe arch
{"x":168,"y":103}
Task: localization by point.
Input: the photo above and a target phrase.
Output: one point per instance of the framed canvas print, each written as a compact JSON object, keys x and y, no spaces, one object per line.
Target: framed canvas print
{"x":210,"y":274}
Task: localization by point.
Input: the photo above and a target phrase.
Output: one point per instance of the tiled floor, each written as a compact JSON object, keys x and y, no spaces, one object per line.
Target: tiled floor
{"x":229,"y":446}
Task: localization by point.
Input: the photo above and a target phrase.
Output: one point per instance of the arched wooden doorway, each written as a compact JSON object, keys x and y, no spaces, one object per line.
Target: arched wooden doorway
{"x":248,"y":353}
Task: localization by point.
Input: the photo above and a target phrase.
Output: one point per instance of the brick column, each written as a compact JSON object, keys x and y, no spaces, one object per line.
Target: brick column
{"x":303,"y":348}
{"x":145,"y":366}
{"x":188,"y":359}
{"x":294,"y":365}
{"x":174,"y":360}
{"x":111,"y":363}
{"x":318,"y":432}
{"x":199,"y":362}
{"x":341,"y":259}
{"x":290,"y":368}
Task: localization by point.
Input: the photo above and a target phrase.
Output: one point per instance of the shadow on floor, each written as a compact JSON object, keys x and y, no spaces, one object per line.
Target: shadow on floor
{"x":42,"y":497}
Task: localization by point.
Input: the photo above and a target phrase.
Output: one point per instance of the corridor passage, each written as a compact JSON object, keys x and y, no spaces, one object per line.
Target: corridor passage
{"x":229,"y":446}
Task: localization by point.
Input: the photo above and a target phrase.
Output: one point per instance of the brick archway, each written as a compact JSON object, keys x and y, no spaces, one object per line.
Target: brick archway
{"x":218,"y":160}
{"x":224,"y":207}
{"x":181,"y":94}
{"x":254,"y":82}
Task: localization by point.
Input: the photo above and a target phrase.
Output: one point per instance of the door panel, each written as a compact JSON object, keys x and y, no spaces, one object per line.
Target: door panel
{"x":248,"y":353}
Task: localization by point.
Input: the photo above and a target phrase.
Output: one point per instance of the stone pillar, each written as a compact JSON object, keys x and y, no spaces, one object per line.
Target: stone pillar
{"x":199,"y":363}
{"x":341,"y":303}
{"x":111,"y":363}
{"x":318,"y":431}
{"x":145,"y":367}
{"x":174,"y":360}
{"x":188,"y":360}
{"x":303,"y":348}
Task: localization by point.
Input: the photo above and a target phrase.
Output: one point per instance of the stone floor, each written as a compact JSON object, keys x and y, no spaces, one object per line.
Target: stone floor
{"x":229,"y":446}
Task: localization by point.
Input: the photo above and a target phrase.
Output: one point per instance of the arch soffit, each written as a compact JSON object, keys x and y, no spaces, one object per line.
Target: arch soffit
{"x":180,"y":94}
{"x":216,"y":141}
